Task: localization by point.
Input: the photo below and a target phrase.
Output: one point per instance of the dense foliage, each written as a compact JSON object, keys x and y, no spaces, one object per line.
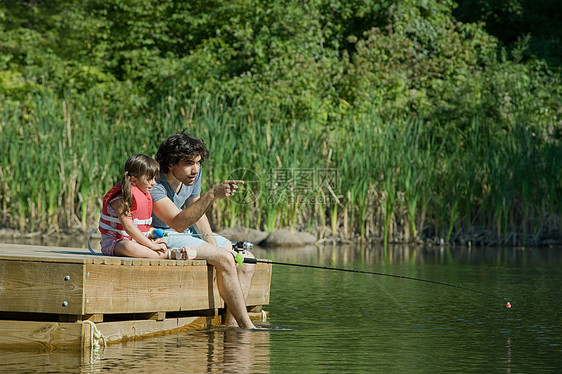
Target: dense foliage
{"x":369,"y":88}
{"x":533,"y":25}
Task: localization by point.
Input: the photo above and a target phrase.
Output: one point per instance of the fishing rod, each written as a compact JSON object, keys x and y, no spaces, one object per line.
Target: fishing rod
{"x":251,"y":260}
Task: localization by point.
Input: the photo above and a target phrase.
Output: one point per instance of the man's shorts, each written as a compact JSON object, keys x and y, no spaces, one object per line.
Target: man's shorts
{"x":190,"y":237}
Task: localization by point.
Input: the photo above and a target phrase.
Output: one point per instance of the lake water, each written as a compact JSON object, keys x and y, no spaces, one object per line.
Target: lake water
{"x":330,"y":321}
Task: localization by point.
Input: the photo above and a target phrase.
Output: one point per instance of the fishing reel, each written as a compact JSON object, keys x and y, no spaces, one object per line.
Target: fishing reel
{"x":242,"y":246}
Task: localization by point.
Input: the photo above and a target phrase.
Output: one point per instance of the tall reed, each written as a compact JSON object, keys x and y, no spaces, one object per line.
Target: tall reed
{"x":393,"y":180}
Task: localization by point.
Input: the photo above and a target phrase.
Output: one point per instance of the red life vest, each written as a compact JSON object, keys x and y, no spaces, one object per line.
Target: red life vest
{"x":141,"y":210}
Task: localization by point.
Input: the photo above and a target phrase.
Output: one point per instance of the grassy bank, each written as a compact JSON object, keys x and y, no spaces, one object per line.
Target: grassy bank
{"x":389,"y":180}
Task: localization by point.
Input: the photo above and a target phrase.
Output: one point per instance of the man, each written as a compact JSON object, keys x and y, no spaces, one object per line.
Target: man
{"x":179,"y":207}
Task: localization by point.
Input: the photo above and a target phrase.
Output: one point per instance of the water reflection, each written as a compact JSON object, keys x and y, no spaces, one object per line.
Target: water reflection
{"x":229,"y":350}
{"x":216,"y":351}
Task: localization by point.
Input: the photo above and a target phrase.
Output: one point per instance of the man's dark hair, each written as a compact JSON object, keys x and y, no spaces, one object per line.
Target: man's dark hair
{"x":179,"y":146}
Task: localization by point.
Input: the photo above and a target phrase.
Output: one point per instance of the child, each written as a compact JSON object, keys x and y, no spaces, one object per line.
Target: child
{"x":126,"y":215}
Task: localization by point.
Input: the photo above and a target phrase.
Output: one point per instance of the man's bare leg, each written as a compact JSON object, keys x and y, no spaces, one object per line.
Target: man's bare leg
{"x":227,"y":281}
{"x":245,"y":275}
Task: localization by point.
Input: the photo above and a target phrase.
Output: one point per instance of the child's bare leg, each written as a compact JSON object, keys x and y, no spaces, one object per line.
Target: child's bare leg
{"x":128,"y":248}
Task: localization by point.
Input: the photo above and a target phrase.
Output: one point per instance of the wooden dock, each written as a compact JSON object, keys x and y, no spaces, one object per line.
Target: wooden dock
{"x":63,"y":298}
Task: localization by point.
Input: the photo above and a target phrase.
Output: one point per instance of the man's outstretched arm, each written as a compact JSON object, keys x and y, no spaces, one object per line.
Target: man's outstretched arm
{"x":181,"y":220}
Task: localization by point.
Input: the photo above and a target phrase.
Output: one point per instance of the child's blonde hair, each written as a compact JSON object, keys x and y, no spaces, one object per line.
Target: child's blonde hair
{"x":137,"y":166}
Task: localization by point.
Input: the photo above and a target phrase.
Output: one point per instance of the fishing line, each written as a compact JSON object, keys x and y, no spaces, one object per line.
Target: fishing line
{"x":387,"y":292}
{"x":391,"y":296}
{"x":254,"y":260}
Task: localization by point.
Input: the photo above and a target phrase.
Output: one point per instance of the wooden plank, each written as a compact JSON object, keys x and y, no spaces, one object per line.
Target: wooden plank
{"x":158,"y":316}
{"x":62,"y":281}
{"x":32,"y":334}
{"x":128,"y":330}
{"x":66,"y":335}
{"x":110,"y":260}
{"x":259,"y":288}
{"x":45,"y":253}
{"x":93,"y":317}
{"x":261,"y":316}
{"x":41,"y":287}
{"x":141,"y":289}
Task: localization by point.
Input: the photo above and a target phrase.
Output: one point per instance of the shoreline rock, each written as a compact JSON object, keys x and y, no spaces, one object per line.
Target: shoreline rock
{"x":287,"y":238}
{"x":240,"y":233}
